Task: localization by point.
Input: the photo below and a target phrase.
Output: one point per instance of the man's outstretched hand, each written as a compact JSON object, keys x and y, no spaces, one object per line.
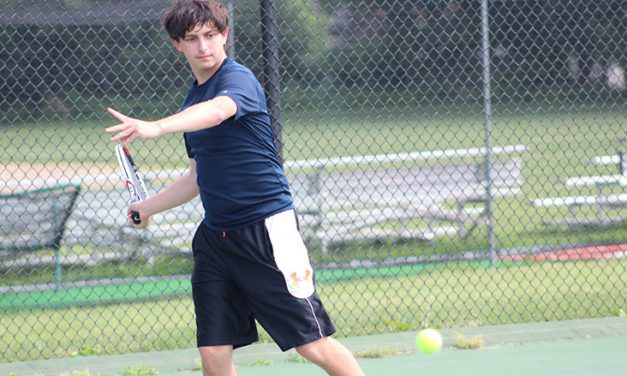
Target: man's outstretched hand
{"x":131,"y":128}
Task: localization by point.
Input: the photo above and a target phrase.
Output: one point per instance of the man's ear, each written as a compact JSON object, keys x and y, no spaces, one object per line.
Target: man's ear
{"x":176,"y":44}
{"x":225,"y":35}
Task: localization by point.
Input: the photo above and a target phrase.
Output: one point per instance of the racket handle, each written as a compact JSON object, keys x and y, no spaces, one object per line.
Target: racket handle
{"x":135,"y":218}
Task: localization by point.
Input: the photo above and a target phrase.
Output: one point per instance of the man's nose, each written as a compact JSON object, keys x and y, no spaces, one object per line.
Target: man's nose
{"x":203,"y":44}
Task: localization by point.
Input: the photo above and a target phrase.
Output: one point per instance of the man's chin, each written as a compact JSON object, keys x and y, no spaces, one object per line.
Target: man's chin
{"x":206,"y":66}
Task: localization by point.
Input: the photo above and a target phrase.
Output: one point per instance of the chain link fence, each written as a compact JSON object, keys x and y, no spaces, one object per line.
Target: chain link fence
{"x":454,"y":163}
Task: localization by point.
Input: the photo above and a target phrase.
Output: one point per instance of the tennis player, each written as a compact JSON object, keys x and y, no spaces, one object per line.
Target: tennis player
{"x":250,"y":262}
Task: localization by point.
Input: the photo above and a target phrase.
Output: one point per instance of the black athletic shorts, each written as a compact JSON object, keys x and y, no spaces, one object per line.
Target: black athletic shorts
{"x":259,"y":272}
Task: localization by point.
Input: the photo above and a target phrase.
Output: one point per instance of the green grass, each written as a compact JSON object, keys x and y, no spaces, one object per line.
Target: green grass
{"x":141,"y":370}
{"x":380,"y":352}
{"x":561,"y":141}
{"x":464,"y":343}
{"x":554,"y":135}
{"x":448,"y":295}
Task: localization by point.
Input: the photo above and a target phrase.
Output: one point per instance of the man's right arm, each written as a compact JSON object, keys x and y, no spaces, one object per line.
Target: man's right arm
{"x":205,"y":114}
{"x":181,"y":191}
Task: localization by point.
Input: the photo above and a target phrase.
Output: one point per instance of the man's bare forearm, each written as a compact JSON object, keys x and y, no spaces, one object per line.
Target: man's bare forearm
{"x":181,"y":191}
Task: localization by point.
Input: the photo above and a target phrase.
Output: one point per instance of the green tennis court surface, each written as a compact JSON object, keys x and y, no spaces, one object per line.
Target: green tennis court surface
{"x":579,"y":347}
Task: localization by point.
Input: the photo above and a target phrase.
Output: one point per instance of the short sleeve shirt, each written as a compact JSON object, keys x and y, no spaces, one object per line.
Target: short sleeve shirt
{"x":239,"y":174}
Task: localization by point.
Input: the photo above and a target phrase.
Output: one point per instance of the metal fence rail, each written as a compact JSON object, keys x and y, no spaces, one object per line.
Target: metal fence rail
{"x":454,"y":162}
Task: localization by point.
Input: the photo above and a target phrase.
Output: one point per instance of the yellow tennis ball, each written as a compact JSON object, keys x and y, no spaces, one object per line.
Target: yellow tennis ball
{"x":429,"y":341}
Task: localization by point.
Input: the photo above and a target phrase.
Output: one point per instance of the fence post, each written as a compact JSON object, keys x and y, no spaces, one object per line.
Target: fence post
{"x":487,"y":108}
{"x":230,"y":46}
{"x":271,"y":77}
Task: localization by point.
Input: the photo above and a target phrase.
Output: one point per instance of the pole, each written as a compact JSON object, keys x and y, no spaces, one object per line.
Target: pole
{"x":270,"y":47}
{"x":230,"y":47}
{"x":487,"y":108}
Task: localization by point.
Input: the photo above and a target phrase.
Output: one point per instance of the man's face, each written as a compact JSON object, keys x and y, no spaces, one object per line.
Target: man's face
{"x":203,"y":47}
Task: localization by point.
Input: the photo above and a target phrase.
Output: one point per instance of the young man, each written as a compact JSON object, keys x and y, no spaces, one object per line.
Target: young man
{"x":249,"y":259}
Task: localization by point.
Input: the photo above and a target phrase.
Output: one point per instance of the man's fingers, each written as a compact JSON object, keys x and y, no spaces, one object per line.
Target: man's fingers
{"x":126,"y":135}
{"x":123,"y":139}
{"x":122,"y":118}
{"x":116,"y":128}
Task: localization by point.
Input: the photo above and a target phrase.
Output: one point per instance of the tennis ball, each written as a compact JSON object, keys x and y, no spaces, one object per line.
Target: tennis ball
{"x":429,"y":341}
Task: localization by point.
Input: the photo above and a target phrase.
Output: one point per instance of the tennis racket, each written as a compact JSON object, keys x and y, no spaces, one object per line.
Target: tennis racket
{"x":132,"y":178}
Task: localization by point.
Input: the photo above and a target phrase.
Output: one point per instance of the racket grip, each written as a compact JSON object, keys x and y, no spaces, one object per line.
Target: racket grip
{"x":135,"y":218}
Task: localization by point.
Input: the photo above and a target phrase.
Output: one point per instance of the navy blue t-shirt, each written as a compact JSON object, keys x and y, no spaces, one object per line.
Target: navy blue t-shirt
{"x":240,"y":177}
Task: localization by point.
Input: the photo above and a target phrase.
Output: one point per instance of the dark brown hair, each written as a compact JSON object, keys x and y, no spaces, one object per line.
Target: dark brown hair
{"x":185,"y":15}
